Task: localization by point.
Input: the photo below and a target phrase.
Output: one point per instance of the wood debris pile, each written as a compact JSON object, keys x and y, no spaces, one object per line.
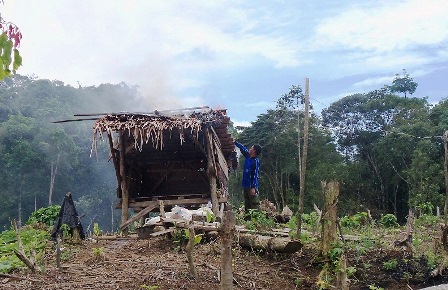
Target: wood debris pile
{"x":145,"y":128}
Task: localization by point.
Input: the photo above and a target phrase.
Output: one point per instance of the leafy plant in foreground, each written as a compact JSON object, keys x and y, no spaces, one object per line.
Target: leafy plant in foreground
{"x":46,"y":215}
{"x":98,"y":253}
{"x":31,"y":239}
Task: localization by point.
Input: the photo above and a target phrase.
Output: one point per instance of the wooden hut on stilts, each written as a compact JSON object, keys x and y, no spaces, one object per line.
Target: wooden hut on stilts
{"x":166,"y":158}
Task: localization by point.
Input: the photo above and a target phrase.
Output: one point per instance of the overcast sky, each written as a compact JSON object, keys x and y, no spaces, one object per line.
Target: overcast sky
{"x":239,"y":55}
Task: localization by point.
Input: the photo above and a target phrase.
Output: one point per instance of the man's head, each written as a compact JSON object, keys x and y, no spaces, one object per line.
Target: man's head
{"x":255,"y":150}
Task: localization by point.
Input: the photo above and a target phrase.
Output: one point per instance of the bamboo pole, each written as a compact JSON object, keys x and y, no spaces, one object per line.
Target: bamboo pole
{"x":304,"y":156}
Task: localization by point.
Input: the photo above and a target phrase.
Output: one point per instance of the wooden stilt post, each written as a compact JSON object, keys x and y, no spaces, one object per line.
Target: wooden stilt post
{"x":123,"y":185}
{"x":114,"y":159}
{"x":211,"y":172}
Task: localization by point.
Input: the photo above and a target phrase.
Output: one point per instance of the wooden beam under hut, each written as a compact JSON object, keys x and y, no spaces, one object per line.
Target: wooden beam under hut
{"x":123,"y":183}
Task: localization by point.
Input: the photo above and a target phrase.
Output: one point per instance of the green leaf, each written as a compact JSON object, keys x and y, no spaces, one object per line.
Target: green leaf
{"x":198,"y":239}
{"x":17,"y":60}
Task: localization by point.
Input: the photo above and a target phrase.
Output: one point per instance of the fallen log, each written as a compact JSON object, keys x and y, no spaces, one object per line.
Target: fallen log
{"x":271,"y":233}
{"x":275,"y":244}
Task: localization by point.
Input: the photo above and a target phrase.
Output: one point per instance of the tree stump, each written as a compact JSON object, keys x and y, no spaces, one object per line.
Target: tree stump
{"x":329,"y":218}
{"x":189,"y":249}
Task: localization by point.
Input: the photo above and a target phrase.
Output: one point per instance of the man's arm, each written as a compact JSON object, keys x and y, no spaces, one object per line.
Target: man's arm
{"x":243,"y":149}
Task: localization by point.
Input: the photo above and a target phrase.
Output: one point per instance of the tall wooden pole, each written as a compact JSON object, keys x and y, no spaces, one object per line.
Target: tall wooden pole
{"x":445,"y":170}
{"x":302,"y":164}
{"x":123,"y":185}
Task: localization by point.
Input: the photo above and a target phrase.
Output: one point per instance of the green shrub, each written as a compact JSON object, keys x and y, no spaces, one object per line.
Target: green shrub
{"x":389,"y":221}
{"x":45,"y":215}
{"x":425,"y":208}
{"x":427,"y":220}
{"x":355,"y":221}
{"x":309,"y":220}
{"x":335,"y":254}
{"x":258,"y":220}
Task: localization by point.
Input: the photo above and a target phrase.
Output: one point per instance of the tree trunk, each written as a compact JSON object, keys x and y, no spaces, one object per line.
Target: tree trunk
{"x":53,"y":172}
{"x":282,"y":191}
{"x":377,"y":173}
{"x":227,"y":232}
{"x":277,"y":186}
{"x":271,"y":183}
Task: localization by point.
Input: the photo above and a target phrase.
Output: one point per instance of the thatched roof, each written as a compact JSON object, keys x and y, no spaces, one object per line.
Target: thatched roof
{"x":151,"y":127}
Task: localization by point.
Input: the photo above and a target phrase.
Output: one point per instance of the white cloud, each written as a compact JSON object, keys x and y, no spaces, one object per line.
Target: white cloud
{"x":377,"y":82}
{"x":190,"y":53}
{"x":261,"y":104}
{"x":237,"y":123}
{"x":391,"y":25}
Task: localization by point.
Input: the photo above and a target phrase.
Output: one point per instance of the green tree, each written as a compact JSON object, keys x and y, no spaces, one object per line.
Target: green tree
{"x":424,"y":176}
{"x":379,"y":130}
{"x":22,"y":164}
{"x":403,"y":84}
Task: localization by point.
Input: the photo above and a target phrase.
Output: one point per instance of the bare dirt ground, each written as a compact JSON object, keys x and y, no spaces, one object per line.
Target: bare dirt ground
{"x":159,"y":263}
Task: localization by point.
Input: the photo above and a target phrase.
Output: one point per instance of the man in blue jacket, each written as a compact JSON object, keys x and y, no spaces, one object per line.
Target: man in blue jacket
{"x":250,"y":175}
